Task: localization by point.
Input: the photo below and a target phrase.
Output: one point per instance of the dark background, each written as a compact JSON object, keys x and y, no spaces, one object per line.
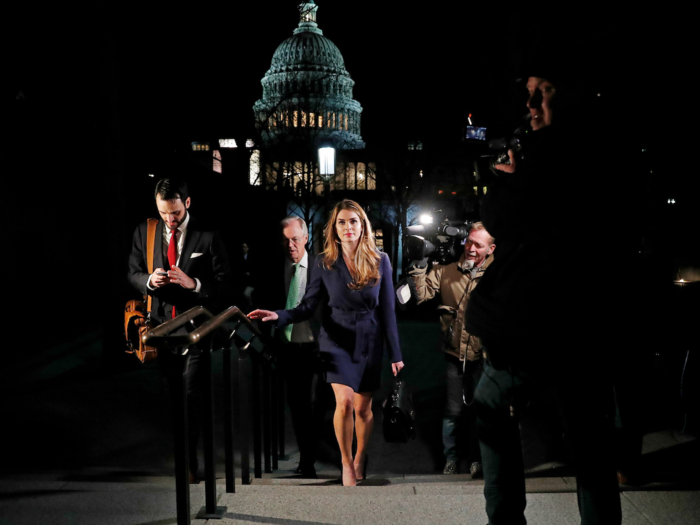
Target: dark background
{"x":98,"y":98}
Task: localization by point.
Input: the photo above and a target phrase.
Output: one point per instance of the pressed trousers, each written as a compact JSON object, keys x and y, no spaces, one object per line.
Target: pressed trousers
{"x":459,"y":419}
{"x":307,"y":394}
{"x":587,"y":408}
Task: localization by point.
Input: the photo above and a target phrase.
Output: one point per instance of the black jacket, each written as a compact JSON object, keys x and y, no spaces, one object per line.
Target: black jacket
{"x":203,"y":257}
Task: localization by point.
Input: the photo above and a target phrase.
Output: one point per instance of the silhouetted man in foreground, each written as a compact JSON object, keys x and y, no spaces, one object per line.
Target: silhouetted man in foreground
{"x":544,"y":310}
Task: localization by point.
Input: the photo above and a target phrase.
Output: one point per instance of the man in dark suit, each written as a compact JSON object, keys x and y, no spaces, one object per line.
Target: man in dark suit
{"x":191,"y":269}
{"x":298,"y":351}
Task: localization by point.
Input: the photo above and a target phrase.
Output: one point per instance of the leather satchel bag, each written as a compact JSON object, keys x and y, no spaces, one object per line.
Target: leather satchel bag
{"x":137,"y":314}
{"x":399,"y":418}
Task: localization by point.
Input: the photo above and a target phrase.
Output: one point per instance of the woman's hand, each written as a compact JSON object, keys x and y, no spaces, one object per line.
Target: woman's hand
{"x":396,"y":367}
{"x":265,"y":315}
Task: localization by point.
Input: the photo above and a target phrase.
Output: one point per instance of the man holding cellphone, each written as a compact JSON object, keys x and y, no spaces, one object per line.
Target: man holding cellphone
{"x":192,"y":269}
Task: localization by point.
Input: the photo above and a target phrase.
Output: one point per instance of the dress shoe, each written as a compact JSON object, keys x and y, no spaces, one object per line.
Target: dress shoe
{"x":362,"y":473}
{"x":476,"y":470}
{"x":450,"y":468}
{"x":342,"y":478}
{"x":306,"y":472}
{"x":631,"y":478}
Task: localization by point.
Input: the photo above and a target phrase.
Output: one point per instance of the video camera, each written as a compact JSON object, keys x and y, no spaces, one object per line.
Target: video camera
{"x":435,"y":240}
{"x":502,"y":145}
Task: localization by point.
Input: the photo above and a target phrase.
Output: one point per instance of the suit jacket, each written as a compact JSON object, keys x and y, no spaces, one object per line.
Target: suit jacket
{"x":203,"y":257}
{"x":274,"y":296}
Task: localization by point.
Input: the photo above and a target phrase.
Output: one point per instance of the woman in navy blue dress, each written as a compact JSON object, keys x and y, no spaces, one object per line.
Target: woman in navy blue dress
{"x":354,"y":280}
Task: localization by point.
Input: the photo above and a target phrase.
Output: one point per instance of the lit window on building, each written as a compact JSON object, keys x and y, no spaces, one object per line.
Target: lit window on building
{"x":227,"y":143}
{"x":296,"y":118}
{"x":353,"y":176}
{"x":333,"y":126}
{"x":312,"y":120}
{"x":476,"y":190}
{"x":217,"y":161}
{"x":379,"y":239}
{"x":361,"y":176}
{"x":371,"y":178}
{"x":340,"y":121}
{"x":254,"y":177}
{"x":338,"y":181}
{"x":484,"y":189}
{"x":350,"y":176}
{"x":200,"y":146}
{"x":320,"y":121}
{"x":303,"y":119}
{"x":346,"y":122}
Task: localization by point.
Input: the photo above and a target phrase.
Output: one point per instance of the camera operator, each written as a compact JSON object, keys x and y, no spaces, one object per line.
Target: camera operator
{"x":454,"y":283}
{"x":545,"y":310}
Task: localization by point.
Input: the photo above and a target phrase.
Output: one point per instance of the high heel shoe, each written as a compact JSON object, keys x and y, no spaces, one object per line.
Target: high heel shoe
{"x":364,"y":469}
{"x":342,"y":480}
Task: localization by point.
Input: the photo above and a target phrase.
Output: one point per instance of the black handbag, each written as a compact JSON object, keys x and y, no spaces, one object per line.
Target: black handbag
{"x":399,"y":417}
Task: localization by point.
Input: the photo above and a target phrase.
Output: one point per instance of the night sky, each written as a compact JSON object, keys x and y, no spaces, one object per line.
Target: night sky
{"x":191,"y":73}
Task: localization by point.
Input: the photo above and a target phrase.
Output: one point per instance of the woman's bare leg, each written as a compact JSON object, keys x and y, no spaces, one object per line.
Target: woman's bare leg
{"x":364,"y":422}
{"x":343,"y":424}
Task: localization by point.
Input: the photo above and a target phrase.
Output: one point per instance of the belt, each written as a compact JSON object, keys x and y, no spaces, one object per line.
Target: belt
{"x":363,"y":323}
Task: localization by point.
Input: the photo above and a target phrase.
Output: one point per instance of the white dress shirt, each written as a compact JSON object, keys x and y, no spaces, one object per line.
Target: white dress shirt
{"x":301,"y":332}
{"x":167,"y":233}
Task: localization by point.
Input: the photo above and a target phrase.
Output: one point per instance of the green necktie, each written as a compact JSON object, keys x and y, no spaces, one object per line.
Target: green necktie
{"x":292,"y":301}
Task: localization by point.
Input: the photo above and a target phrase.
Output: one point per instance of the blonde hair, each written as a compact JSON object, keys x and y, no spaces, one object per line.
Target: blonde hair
{"x":366,"y":259}
{"x":478,"y":226}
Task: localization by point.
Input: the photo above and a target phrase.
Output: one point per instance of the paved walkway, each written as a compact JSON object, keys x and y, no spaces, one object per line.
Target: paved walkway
{"x":66,"y":500}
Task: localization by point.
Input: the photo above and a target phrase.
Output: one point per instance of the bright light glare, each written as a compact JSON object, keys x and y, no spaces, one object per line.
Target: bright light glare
{"x":426,"y":218}
{"x":227,"y":143}
{"x":326,"y":161}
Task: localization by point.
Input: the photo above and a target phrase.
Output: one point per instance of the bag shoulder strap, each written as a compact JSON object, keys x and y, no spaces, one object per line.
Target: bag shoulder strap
{"x":150,"y":251}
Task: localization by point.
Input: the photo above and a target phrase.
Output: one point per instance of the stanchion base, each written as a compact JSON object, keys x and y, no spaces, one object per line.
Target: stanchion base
{"x":204,"y":515}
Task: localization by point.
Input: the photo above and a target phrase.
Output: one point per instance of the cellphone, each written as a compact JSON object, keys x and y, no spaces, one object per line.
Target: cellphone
{"x":164,"y":274}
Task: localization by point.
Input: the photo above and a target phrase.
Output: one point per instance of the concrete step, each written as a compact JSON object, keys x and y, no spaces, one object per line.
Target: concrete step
{"x":96,"y":497}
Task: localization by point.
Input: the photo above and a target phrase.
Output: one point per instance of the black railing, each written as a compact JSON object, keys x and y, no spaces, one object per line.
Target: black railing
{"x":267,"y":421}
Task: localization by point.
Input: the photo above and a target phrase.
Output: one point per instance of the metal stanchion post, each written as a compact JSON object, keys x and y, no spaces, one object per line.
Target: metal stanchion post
{"x":273,"y":418}
{"x":229,"y":421}
{"x":280,"y":415}
{"x":210,"y":510}
{"x":257,"y":431}
{"x":243,"y":405}
{"x":266,"y":413}
{"x":182,"y":488}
